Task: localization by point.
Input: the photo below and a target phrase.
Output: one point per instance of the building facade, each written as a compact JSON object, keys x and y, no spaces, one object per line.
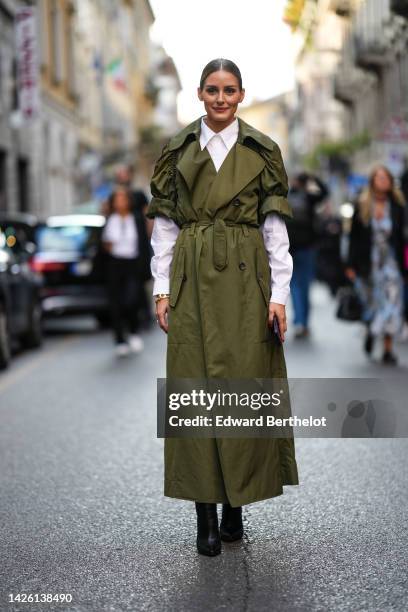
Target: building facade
{"x":272,"y":118}
{"x":16,"y":147}
{"x":352,"y":82}
{"x":98,"y":95}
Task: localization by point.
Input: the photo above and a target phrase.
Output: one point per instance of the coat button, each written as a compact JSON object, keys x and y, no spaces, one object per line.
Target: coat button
{"x":242,"y":266}
{"x":236,"y":202}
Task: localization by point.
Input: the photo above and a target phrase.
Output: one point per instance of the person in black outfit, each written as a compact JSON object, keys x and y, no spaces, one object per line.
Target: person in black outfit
{"x":305,"y":193}
{"x":125,"y":239}
{"x":140,"y":202}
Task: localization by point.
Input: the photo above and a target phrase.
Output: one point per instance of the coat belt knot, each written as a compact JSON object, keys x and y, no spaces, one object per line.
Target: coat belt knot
{"x":220,"y":258}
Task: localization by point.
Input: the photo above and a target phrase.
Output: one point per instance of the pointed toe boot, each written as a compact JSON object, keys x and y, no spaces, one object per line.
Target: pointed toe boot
{"x":231,"y":527}
{"x":208,"y":535}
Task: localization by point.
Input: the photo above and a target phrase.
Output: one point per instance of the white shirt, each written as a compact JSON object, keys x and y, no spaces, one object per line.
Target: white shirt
{"x":218,"y":143}
{"x":275,"y":235}
{"x":121,"y":231}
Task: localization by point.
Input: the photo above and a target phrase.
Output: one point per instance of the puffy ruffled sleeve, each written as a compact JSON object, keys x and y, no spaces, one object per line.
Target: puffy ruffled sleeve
{"x":163,"y":188}
{"x":274,"y":186}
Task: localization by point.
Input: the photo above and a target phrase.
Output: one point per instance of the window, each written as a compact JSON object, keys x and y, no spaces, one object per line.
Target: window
{"x":55,"y":41}
{"x":70,"y":46}
{"x":3,"y":180}
{"x":67,"y":238}
{"x":23,"y":184}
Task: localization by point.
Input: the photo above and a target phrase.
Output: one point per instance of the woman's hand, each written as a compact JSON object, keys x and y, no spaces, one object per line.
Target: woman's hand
{"x":278,"y":311}
{"x":162,"y":308}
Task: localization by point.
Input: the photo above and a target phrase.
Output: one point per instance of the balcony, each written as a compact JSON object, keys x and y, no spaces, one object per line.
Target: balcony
{"x":342,"y":90}
{"x":372,"y":53}
{"x":351,"y":84}
{"x":342,"y":8}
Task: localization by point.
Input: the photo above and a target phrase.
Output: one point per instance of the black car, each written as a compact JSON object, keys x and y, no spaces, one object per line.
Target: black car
{"x":71,"y":260}
{"x":20,"y":304}
{"x":22,"y":226}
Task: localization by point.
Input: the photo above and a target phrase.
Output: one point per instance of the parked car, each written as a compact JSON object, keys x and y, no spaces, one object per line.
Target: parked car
{"x":71,"y":260}
{"x":20,"y":303}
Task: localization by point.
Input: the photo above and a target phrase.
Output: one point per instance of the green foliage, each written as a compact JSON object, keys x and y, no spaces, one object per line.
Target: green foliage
{"x":336,"y":149}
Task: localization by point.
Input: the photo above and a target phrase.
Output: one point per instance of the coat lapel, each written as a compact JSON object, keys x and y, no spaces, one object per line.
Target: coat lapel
{"x":239,"y":168}
{"x":192,"y":162}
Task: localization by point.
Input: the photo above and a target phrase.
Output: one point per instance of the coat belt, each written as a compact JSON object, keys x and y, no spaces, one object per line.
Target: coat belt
{"x":220,"y":248}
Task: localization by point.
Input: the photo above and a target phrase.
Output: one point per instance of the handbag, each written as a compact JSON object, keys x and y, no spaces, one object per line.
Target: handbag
{"x":349,"y":307}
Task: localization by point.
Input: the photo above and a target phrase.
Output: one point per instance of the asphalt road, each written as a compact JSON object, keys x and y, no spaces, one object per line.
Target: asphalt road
{"x":82,"y":510}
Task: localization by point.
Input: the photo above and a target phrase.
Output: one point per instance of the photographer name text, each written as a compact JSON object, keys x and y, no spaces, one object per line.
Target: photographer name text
{"x":260,"y":421}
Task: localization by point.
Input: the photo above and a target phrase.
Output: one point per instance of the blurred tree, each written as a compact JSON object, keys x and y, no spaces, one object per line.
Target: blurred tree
{"x":336,"y":154}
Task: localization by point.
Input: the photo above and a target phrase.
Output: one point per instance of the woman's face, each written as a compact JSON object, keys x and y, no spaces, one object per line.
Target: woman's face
{"x":121,"y":202}
{"x":381,"y":181}
{"x":221,"y":96}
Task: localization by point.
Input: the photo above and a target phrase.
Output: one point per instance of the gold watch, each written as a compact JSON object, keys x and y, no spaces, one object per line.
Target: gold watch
{"x":161,"y":296}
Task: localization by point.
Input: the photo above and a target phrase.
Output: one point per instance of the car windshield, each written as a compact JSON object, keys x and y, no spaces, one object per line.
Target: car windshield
{"x":67,"y":238}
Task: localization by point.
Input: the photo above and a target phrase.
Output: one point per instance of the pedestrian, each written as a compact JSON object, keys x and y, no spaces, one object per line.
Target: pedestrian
{"x":123,"y":239}
{"x":376,"y":259}
{"x":306,"y":192}
{"x":124,"y":178}
{"x":404,"y":189}
{"x":404,"y":179}
{"x":221,"y":272}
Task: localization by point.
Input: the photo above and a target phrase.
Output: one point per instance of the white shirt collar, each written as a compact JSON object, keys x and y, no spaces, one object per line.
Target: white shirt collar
{"x":228,"y":134}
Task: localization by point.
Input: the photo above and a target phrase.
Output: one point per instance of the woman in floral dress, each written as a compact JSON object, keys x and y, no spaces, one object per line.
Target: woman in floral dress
{"x":376,"y":259}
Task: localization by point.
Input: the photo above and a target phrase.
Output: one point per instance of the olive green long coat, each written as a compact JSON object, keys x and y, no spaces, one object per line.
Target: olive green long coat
{"x":219,"y":296}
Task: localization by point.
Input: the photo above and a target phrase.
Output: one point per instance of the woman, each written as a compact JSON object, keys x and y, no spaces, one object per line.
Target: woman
{"x":305,"y":194}
{"x":121,"y":238}
{"x":376,"y":259}
{"x":215,"y":182}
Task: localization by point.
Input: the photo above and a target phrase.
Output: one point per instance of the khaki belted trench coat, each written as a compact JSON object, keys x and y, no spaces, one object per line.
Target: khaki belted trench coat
{"x":219,"y":296}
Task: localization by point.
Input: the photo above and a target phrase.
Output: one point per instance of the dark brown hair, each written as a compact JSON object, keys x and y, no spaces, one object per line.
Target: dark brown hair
{"x":111,"y":199}
{"x":220,"y":64}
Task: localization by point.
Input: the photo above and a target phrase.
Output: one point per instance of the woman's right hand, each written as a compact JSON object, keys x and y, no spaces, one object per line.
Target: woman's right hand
{"x":162,"y":309}
{"x":350,"y":273}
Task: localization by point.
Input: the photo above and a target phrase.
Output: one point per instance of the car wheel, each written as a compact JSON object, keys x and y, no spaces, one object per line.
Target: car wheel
{"x":5,"y":350}
{"x":33,"y":337}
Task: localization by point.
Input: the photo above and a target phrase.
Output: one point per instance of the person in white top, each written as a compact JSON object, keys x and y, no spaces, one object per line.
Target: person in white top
{"x":120,"y":239}
{"x":274,"y":231}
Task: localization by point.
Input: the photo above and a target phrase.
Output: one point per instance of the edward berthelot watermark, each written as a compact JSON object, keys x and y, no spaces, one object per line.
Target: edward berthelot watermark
{"x":229,"y":421}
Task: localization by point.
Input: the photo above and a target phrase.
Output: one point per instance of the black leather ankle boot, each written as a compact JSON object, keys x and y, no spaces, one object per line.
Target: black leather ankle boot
{"x":231,"y":527}
{"x":208,"y":535}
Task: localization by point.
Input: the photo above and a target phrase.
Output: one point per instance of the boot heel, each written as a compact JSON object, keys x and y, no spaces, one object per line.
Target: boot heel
{"x":231,"y":528}
{"x":208,"y":535}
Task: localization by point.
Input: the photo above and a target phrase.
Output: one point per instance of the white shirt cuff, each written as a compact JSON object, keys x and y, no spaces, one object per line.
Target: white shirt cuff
{"x":161,"y":286}
{"x":279,"y":296}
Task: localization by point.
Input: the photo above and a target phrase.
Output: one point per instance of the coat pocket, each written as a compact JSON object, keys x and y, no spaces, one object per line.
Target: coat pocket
{"x":178,"y":278}
{"x":262,"y":277}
